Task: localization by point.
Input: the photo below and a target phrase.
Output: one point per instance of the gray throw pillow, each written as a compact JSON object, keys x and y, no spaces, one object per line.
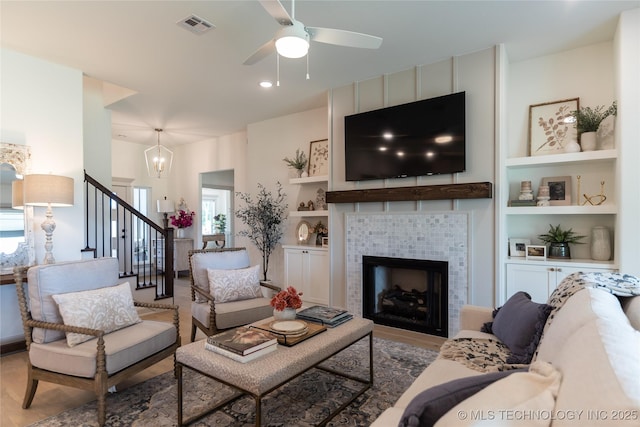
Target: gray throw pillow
{"x":427,"y":407}
{"x":519,"y":324}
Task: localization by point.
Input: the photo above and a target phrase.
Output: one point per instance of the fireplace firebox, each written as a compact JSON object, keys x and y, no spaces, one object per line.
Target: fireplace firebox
{"x":406,"y":293}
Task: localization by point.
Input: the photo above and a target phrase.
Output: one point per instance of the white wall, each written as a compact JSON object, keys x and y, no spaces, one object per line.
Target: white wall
{"x":585,"y":73}
{"x":268,"y":143}
{"x":627,"y":60}
{"x":96,"y":132}
{"x":184,"y":181}
{"x":42,"y":107}
{"x":473,"y":73}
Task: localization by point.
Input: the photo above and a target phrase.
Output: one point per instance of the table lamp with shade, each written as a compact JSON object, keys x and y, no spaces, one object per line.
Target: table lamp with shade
{"x":17,"y":194}
{"x":164,"y":207}
{"x":50,"y":191}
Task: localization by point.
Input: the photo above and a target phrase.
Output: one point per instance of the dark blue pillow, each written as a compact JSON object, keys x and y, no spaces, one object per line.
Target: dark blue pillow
{"x":519,"y":324}
{"x":428,"y":406}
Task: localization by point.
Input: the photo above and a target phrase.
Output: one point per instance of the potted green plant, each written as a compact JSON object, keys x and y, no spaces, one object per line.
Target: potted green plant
{"x":265,"y":218}
{"x":559,"y":239}
{"x":220,"y":222}
{"x":299,"y":162}
{"x":588,"y":120}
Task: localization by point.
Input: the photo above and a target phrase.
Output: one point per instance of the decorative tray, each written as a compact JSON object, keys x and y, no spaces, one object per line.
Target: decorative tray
{"x":291,"y":332}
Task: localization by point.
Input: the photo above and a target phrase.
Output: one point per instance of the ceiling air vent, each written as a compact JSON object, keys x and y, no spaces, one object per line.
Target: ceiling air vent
{"x":195,"y":24}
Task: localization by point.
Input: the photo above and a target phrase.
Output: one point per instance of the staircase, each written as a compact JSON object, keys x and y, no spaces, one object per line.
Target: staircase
{"x":116,"y":229}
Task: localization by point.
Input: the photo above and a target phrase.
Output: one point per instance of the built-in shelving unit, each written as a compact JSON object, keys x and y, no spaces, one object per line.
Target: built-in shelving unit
{"x":594,"y":167}
{"x":321,"y":179}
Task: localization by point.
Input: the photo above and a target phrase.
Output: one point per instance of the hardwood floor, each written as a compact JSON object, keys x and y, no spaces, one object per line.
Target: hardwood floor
{"x":52,"y":399}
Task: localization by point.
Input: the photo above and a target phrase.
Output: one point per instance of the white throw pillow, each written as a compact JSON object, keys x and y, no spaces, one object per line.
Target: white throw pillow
{"x":235,"y":285}
{"x":106,"y":309}
{"x":522,"y":398}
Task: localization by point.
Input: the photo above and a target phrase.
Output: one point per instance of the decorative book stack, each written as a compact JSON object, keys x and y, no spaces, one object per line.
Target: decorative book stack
{"x":242,"y":344}
{"x":327,"y":316}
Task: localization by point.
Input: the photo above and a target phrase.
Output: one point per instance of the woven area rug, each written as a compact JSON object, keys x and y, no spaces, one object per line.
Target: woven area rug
{"x":302,"y":402}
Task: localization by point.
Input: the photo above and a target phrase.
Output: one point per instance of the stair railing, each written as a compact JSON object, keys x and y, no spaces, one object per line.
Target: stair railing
{"x":114,"y":228}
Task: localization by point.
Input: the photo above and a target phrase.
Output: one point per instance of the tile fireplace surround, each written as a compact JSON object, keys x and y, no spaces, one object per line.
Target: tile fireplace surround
{"x":436,"y":236}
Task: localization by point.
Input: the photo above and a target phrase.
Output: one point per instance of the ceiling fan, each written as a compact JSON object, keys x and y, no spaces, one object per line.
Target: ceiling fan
{"x":292,"y":40}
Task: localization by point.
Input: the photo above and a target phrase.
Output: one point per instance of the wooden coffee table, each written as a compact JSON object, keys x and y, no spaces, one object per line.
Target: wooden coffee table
{"x":261,"y":376}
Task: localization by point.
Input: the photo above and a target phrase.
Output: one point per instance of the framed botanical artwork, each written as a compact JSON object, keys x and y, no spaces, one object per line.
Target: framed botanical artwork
{"x":319,"y":157}
{"x":536,"y":252}
{"x":559,"y":190}
{"x":517,"y":247}
{"x":552,"y":126}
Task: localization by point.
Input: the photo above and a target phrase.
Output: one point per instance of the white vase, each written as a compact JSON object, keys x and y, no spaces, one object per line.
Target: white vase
{"x":572,"y":147}
{"x":606,"y":133}
{"x":286,"y":314}
{"x":588,"y":141}
{"x":600,"y":243}
{"x":180,"y":233}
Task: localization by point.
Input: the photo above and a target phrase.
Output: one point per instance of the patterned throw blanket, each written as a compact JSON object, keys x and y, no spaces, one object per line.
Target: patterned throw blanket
{"x":479,"y":354}
{"x":490,"y":355}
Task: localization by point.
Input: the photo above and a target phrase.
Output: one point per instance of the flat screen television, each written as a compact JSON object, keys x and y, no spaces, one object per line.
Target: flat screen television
{"x":420,"y":138}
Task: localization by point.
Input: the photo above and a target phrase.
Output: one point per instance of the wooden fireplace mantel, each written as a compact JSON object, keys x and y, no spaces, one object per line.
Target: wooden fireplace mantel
{"x":474,"y":190}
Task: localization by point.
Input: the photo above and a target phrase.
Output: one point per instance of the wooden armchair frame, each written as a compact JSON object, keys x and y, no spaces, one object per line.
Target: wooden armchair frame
{"x":102,"y":381}
{"x":211,"y":328}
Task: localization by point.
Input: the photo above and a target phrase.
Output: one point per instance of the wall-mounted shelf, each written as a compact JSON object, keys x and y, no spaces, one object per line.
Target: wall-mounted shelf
{"x":309,"y":179}
{"x":562,"y":159}
{"x":299,"y":214}
{"x":475,"y":190}
{"x":562,"y":210}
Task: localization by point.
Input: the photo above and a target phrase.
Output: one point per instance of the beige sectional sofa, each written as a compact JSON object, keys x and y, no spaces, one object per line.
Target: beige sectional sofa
{"x":586,"y":367}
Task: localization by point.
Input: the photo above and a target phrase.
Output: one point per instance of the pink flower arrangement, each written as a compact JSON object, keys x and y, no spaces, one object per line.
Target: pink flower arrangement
{"x":184,"y":219}
{"x":289,"y":298}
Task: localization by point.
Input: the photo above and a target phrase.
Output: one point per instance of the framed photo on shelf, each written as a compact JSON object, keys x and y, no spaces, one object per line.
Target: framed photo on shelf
{"x":551,"y":126}
{"x":319,"y":157}
{"x":517,"y":246}
{"x":559,"y":190}
{"x":536,"y":252}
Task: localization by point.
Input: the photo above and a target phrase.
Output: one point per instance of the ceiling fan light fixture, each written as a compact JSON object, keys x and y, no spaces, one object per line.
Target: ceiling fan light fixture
{"x":292,"y":41}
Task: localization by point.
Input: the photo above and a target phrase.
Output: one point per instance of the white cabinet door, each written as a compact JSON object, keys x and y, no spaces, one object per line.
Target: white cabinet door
{"x":562,"y":272}
{"x":540,"y":281}
{"x":533,"y":279}
{"x":307,"y":270}
{"x":294,"y":269}
{"x":318,"y":274}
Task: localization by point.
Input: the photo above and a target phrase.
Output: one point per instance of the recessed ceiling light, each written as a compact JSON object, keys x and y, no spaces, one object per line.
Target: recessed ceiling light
{"x":266,"y":84}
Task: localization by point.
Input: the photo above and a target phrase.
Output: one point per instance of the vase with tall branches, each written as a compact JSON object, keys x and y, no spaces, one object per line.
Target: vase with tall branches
{"x":264,"y":218}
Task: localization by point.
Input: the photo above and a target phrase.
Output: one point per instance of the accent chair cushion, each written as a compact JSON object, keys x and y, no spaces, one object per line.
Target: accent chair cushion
{"x":123,"y":348}
{"x":106,"y":309}
{"x":235,"y":285}
{"x":430,"y":405}
{"x":234,"y":313}
{"x":71,"y":276}
{"x":519,"y":324}
{"x":218,"y":260}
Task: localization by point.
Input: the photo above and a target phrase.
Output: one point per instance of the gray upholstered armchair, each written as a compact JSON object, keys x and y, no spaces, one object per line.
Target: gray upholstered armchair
{"x":229,"y":310}
{"x":82,"y":328}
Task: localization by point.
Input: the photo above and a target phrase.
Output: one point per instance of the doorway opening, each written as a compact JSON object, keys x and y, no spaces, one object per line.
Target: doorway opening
{"x":217,"y":208}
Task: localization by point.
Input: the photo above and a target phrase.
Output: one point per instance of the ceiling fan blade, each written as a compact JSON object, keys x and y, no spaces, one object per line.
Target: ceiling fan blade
{"x":344,"y":38}
{"x":265,"y":50}
{"x":277,"y":10}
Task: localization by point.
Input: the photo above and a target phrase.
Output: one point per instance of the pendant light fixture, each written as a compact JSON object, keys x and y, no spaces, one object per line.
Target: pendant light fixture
{"x":159,"y":159}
